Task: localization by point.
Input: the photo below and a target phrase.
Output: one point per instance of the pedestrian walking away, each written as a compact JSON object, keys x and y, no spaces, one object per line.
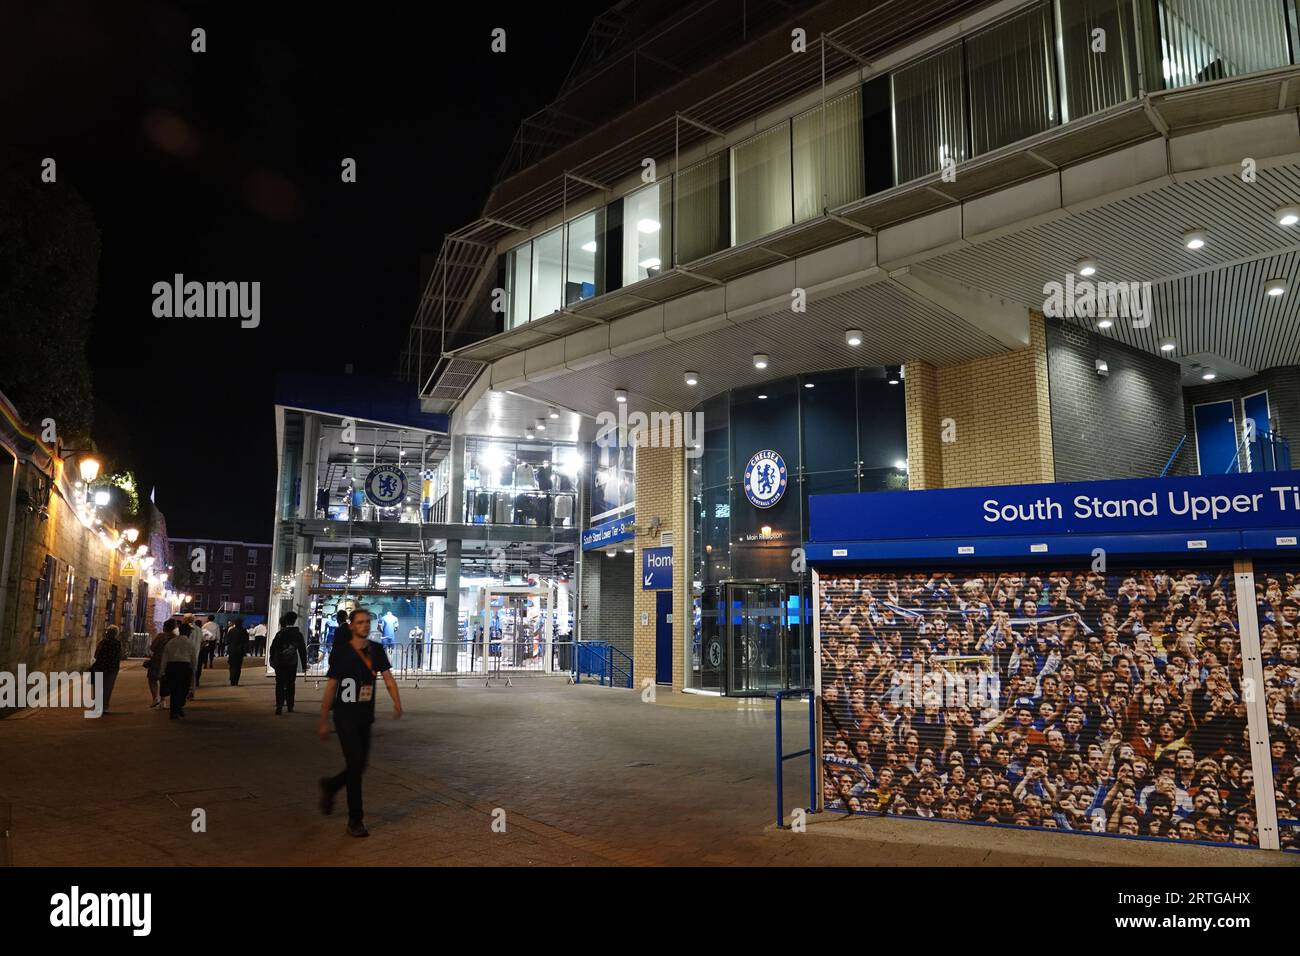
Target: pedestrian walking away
{"x":108,"y":660}
{"x":350,"y":693}
{"x":236,"y":649}
{"x":180,"y":656}
{"x":157,"y":687}
{"x":211,"y":634}
{"x":192,"y":631}
{"x":288,"y":648}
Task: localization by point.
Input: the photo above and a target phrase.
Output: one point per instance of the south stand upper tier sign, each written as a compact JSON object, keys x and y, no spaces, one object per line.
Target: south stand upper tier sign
{"x":765,"y":478}
{"x":386,"y":486}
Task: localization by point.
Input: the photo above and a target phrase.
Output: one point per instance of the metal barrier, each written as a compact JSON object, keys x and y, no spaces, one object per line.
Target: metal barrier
{"x":418,"y":660}
{"x":810,"y":750}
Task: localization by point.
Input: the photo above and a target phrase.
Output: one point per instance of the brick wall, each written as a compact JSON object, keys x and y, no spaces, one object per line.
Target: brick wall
{"x":1123,"y":425}
{"x":607,"y":598}
{"x":1283,"y":386}
{"x":1000,"y":419}
{"x":66,"y":646}
{"x":660,"y":493}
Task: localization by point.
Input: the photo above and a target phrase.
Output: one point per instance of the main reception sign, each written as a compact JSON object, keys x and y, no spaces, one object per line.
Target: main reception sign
{"x":1127,"y":506}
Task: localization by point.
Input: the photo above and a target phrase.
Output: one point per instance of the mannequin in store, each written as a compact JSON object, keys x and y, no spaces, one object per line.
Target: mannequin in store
{"x":545,"y":476}
{"x":388,"y":627}
{"x":524,"y":477}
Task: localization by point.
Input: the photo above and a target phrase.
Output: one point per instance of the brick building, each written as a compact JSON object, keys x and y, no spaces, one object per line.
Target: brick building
{"x":235,"y":580}
{"x":68,"y":569}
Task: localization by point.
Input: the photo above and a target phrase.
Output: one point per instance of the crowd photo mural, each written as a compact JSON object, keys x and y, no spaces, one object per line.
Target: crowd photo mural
{"x":1277,"y":598}
{"x":1067,"y":700}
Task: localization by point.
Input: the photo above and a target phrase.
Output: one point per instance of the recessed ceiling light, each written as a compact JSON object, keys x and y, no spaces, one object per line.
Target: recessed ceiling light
{"x":540,"y":425}
{"x":1288,"y":215}
{"x":1168,"y":345}
{"x":647,"y":225}
{"x":1195,"y":239}
{"x":853,"y":337}
{"x":760,"y":360}
{"x":762,"y":396}
{"x":552,"y":413}
{"x":620,"y":395}
{"x":1209,"y":376}
{"x":692,"y":378}
{"x":1105,"y":323}
{"x":1276,"y":287}
{"x":589,"y":246}
{"x":1087,"y":267}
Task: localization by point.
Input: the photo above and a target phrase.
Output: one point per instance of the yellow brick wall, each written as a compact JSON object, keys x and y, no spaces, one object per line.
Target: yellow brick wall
{"x":660,"y":493}
{"x":999,"y":419}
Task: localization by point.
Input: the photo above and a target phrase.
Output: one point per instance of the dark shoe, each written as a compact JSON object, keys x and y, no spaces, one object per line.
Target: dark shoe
{"x":180,"y":713}
{"x":326,"y":796}
{"x":358,"y":829}
{"x":277,"y":711}
{"x":289,"y":708}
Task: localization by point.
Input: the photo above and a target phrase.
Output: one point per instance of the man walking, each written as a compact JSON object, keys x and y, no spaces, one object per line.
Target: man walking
{"x":287,"y":649}
{"x":350,"y":692}
{"x":180,"y":656}
{"x":190,"y":630}
{"x":236,"y":649}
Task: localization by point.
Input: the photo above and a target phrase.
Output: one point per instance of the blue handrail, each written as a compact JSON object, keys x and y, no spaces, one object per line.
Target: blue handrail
{"x":1170,"y":463}
{"x":810,"y":750}
{"x":597,"y":658}
{"x":1273,"y":450}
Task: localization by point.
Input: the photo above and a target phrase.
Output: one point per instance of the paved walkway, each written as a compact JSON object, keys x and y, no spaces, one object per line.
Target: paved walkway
{"x":585,"y":775}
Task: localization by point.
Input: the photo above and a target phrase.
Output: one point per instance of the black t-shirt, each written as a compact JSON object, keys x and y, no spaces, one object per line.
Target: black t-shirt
{"x":355,"y":695}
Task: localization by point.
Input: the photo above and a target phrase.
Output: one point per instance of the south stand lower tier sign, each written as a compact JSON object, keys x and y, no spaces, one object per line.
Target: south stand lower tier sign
{"x":386,"y":486}
{"x":765,"y":478}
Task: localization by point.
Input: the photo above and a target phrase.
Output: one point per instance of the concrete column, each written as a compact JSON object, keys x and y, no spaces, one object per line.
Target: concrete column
{"x":548,"y":624}
{"x":456,"y":481}
{"x":307,"y":475}
{"x":303,"y":546}
{"x":451,"y":606}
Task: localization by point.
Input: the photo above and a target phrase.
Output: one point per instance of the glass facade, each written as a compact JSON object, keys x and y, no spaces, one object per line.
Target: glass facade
{"x":1051,"y":62}
{"x":840,"y":431}
{"x":520,"y":483}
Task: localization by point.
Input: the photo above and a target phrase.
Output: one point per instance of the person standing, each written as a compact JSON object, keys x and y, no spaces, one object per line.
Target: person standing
{"x":180,"y":656}
{"x":287,"y":649}
{"x":350,"y":692}
{"x":236,"y":649}
{"x":258,"y":637}
{"x":157,"y":687}
{"x":108,"y":660}
{"x":191,"y":631}
{"x":211,"y":634}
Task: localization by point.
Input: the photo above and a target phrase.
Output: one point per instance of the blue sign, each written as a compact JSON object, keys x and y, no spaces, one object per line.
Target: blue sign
{"x":1209,"y":503}
{"x":609,"y":532}
{"x":657,"y":569}
{"x":765,"y":478}
{"x":386,"y":486}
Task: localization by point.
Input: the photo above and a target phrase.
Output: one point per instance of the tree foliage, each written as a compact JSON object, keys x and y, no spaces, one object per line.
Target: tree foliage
{"x":49,"y":273}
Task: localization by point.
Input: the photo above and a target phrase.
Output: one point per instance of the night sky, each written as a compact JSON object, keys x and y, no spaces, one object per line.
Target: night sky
{"x":225,"y":166}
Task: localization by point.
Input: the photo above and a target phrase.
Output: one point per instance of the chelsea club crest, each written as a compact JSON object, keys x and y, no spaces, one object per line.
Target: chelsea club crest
{"x":386,"y":486}
{"x":765,"y":478}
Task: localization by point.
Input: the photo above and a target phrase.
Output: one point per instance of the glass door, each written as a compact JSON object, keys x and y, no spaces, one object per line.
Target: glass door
{"x":758,"y":639}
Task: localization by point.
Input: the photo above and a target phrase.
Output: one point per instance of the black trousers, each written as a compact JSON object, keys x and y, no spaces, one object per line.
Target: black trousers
{"x":285,"y":681}
{"x":354,"y":737}
{"x":236,"y":665}
{"x":178,"y":681}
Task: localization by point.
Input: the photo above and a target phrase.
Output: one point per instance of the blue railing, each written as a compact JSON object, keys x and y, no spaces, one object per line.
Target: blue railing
{"x":810,"y":751}
{"x":602,"y":660}
{"x":1268,"y":452}
{"x":1170,"y":463}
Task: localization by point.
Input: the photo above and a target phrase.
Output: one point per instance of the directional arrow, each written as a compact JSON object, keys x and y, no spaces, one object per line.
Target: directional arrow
{"x":649,"y":581}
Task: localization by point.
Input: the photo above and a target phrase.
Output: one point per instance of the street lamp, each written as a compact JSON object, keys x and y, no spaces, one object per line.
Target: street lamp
{"x":89,"y":468}
{"x":132,"y":534}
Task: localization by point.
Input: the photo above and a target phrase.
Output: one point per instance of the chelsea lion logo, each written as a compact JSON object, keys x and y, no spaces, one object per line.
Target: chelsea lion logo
{"x":765,"y":478}
{"x":386,"y":486}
